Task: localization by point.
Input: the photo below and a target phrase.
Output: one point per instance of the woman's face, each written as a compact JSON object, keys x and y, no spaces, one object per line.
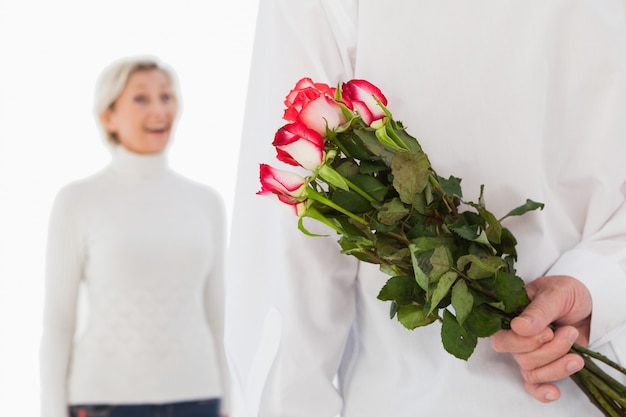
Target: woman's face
{"x":143,"y":115}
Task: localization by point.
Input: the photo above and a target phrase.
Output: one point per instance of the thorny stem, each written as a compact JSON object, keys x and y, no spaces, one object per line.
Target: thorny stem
{"x":595,"y":395}
{"x":314,"y":195}
{"x":582,"y":350}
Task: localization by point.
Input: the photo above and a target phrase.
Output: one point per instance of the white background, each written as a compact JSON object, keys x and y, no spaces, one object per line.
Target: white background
{"x":51,"y":53}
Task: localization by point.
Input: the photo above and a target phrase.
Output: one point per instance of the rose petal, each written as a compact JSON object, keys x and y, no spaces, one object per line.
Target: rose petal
{"x":363,"y":111}
{"x":280,"y":181}
{"x":320,"y":112}
{"x":364,"y":92}
{"x":296,"y":144}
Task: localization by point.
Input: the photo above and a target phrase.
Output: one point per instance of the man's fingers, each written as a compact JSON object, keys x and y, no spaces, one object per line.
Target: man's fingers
{"x":549,"y":354}
{"x":543,"y":392}
{"x":509,"y":341}
{"x":554,"y":371}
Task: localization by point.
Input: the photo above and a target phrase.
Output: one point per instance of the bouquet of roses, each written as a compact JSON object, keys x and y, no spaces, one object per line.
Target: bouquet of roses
{"x":449,"y":260}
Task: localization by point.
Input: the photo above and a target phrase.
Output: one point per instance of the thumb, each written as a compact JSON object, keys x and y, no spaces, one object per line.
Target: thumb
{"x":548,"y":304}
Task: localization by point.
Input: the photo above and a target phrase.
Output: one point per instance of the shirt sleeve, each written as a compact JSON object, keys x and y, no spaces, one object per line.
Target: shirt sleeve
{"x":215,"y":297}
{"x":63,"y":273}
{"x":590,"y":103}
{"x":600,"y":263}
{"x":273,"y":267}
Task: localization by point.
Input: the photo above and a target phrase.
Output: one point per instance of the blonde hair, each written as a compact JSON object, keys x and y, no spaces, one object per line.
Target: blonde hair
{"x":114,"y":78}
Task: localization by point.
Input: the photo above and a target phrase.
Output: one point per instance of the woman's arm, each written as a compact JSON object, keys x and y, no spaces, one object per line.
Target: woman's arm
{"x":64,"y":262}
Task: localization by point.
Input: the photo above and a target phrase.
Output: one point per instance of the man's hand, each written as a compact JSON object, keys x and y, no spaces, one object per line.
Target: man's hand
{"x":542,"y":353}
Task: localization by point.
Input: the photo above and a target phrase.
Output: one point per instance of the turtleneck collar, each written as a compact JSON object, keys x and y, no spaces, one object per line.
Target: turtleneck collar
{"x":139,"y":166}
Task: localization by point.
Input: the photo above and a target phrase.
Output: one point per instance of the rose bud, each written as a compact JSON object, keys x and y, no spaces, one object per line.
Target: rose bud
{"x":361,"y":93}
{"x":296,"y":144}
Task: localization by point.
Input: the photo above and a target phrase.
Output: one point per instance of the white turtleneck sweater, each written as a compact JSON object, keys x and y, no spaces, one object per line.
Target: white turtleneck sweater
{"x":149,"y":246}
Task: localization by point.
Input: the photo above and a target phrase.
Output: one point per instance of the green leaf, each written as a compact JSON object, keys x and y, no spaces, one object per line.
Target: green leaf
{"x":455,"y":338}
{"x":420,"y":277}
{"x":354,"y":147}
{"x":360,"y":247}
{"x":442,"y":289}
{"x":400,"y":289}
{"x":370,"y":185}
{"x":346,"y":168}
{"x":526,"y":207}
{"x":392,"y":211}
{"x":479,"y":267}
{"x":507,"y":243}
{"x":372,"y":167}
{"x":482,"y":238}
{"x":428,"y":195}
{"x":441,"y":261}
{"x":370,"y":142}
{"x":511,"y":291}
{"x":393,"y":309}
{"x":428,"y":243}
{"x":359,"y":250}
{"x":393,"y":256}
{"x":494,"y":227}
{"x":419,"y":205}
{"x":482,"y":322}
{"x":350,"y":201}
{"x":462,"y":300}
{"x":408,"y":141}
{"x":377,"y":226}
{"x":467,"y":232}
{"x":412,"y":316}
{"x":451,"y":186}
{"x":354,"y":230}
{"x":410,"y":175}
{"x":391,"y":270}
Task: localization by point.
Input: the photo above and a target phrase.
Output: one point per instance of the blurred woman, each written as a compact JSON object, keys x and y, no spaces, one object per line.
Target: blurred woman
{"x":148,"y":244}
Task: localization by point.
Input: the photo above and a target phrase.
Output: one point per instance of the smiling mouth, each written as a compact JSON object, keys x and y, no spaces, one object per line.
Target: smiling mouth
{"x":157,"y":130}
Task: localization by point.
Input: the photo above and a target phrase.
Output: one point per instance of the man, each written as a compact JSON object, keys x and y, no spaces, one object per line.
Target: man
{"x":526,"y":98}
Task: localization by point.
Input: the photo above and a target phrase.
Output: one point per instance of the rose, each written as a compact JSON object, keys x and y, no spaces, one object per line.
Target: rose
{"x":313,"y":105}
{"x":288,"y":187}
{"x":296,"y":144}
{"x":304,"y":92}
{"x":322,"y":113}
{"x":439,"y":265}
{"x":361,"y":94}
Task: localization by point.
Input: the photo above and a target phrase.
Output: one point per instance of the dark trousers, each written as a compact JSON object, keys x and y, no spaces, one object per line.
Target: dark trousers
{"x":203,"y":408}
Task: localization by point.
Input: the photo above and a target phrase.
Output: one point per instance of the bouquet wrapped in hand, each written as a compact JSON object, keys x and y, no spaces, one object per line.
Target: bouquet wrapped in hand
{"x":449,"y":259}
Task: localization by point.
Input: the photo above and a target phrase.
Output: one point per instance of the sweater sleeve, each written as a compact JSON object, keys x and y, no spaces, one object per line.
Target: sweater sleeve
{"x":214,"y":297}
{"x":63,"y":272}
{"x":288,"y":293}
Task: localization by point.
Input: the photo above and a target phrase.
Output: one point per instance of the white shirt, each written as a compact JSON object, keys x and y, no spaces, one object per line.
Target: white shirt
{"x":526,"y":97}
{"x":149,"y":245}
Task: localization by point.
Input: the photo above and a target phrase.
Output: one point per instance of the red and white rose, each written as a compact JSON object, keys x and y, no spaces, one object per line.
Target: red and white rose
{"x":296,"y":144}
{"x":361,"y":94}
{"x":313,"y":105}
{"x":285,"y":186}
